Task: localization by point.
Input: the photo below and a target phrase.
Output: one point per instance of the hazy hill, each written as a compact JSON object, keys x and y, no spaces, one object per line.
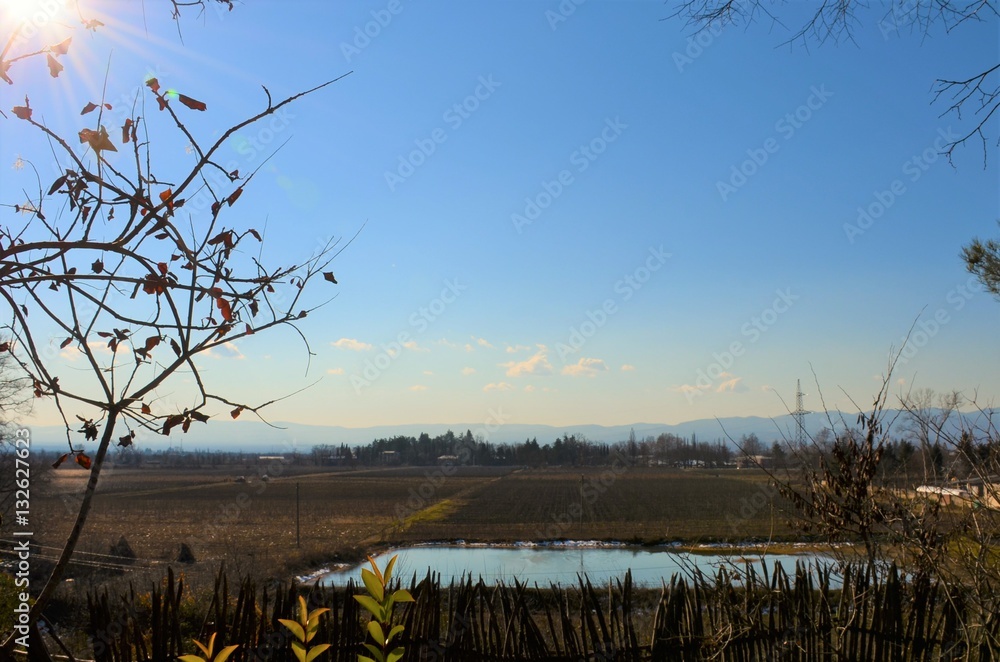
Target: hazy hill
{"x":258,"y":437}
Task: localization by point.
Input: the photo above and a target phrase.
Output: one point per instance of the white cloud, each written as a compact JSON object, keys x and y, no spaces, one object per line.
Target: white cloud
{"x":418,"y":387}
{"x":536,"y":365}
{"x":429,"y":373}
{"x":514,"y":349}
{"x":628,"y":367}
{"x":335,"y":371}
{"x":483,"y":342}
{"x":468,"y":371}
{"x":585,"y":368}
{"x":414,"y":347}
{"x":226,"y":350}
{"x":351,"y":344}
{"x":733,"y":385}
{"x":530,"y":388}
{"x":688,"y":388}
{"x":499,"y":386}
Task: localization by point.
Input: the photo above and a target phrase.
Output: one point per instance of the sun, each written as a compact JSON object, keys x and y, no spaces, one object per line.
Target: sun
{"x":36,"y":13}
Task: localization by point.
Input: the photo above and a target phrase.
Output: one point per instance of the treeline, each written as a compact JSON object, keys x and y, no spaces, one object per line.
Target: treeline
{"x":568,"y":450}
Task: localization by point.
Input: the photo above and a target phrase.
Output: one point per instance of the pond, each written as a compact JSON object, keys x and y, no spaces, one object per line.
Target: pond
{"x":560,"y":564}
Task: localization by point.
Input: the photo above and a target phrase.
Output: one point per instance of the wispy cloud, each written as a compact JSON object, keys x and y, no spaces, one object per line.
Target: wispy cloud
{"x":688,"y":389}
{"x":483,"y":342}
{"x":733,"y":385}
{"x":499,"y":386}
{"x":335,"y":371}
{"x":468,"y":371}
{"x":418,"y":387}
{"x":514,"y":349}
{"x":628,"y":367}
{"x":414,"y":347}
{"x":536,"y":365}
{"x":225,"y":351}
{"x":585,"y":367}
{"x":351,"y":344}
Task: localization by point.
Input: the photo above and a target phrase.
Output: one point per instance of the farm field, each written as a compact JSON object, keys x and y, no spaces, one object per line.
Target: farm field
{"x":347,"y":513}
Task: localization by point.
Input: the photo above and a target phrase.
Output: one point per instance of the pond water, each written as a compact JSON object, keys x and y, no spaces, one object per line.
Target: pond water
{"x":546,"y":565}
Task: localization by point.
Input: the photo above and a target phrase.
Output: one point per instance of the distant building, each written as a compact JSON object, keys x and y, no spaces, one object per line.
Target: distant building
{"x":391,"y":457}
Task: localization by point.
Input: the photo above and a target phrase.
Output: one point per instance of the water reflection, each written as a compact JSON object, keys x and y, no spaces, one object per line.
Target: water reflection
{"x":546,"y":565}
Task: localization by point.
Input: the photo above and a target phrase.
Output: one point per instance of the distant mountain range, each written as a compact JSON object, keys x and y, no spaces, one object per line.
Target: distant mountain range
{"x":258,"y":437}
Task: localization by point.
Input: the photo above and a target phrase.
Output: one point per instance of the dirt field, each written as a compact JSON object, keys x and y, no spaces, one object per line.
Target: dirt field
{"x":344,"y":514}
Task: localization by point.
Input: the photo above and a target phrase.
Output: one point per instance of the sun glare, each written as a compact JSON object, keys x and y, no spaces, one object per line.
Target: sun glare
{"x":36,"y":12}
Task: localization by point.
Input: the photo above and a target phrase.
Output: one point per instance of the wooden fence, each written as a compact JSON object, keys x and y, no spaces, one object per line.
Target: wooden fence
{"x":812,"y":614}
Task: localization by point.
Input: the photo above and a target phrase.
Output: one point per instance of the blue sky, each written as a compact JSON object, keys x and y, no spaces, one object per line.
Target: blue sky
{"x":604,"y":219}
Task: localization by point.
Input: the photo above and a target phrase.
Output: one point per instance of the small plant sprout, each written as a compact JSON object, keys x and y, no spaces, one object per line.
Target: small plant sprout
{"x":380,"y":603}
{"x":207,"y":650}
{"x":304,"y":630}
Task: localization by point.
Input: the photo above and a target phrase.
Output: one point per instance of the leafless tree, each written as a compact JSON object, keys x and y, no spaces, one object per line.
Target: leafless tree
{"x":138,"y":284}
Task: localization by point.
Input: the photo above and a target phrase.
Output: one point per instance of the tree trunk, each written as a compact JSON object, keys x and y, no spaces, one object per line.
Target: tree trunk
{"x":6,"y":650}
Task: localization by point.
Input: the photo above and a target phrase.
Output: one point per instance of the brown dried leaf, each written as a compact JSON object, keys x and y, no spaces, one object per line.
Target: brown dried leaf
{"x":62,"y":47}
{"x":54,"y":66}
{"x":98,"y":140}
{"x":89,"y":108}
{"x":193,"y":104}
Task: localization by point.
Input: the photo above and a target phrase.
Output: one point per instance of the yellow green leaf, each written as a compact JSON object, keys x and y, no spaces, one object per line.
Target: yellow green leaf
{"x":296,"y":628}
{"x":190,"y":658}
{"x":387,"y":575}
{"x":316,"y":651}
{"x":207,"y":650}
{"x":373,"y":585}
{"x":225,"y":653}
{"x":395,"y":654}
{"x":369,"y":604}
{"x":402,"y":595}
{"x":375,"y":630}
{"x":303,"y":611}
